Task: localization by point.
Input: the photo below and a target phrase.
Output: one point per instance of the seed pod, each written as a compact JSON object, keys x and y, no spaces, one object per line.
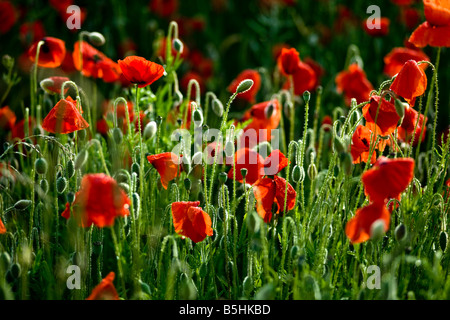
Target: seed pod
{"x":377,"y":229}
{"x":443,"y":239}
{"x":96,"y":38}
{"x":187,"y":184}
{"x":22,"y":204}
{"x":70,"y":168}
{"x":217,"y":107}
{"x":44,"y":185}
{"x":306,"y":96}
{"x":158,"y":120}
{"x":312,"y":171}
{"x":81,"y":159}
{"x":244,"y":172}
{"x":244,"y":86}
{"x":223,"y":177}
{"x":61,"y":184}
{"x":117,"y":135}
{"x":150,"y":130}
{"x":400,"y":232}
{"x":41,"y":166}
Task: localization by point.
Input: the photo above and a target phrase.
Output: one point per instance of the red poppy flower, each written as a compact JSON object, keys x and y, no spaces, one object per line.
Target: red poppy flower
{"x":288,"y":61}
{"x":52,"y":85}
{"x":388,"y":178}
{"x":191,"y":221}
{"x":105,"y":290}
{"x":140,"y":71}
{"x":411,"y":82}
{"x":64,"y":118}
{"x":94,"y":63}
{"x":51,"y":53}
{"x":167,"y":165}
{"x":358,"y":229}
{"x":410,"y":120}
{"x":7,"y":16}
{"x":360,"y":148}
{"x":265,"y":117}
{"x":268,"y":191}
{"x":163,"y":8}
{"x":2,"y":227}
{"x":410,"y":17}
{"x":250,"y":160}
{"x":354,"y":84}
{"x":382,"y":31}
{"x":7,"y":118}
{"x":249,"y":95}
{"x":274,"y":163}
{"x":396,"y":59}
{"x":99,"y":201}
{"x":434,"y":32}
{"x":387,"y":118}
{"x":31,"y":32}
{"x":304,"y":78}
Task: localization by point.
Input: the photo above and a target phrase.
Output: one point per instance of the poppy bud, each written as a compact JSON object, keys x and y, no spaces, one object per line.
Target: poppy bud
{"x":306,"y":96}
{"x":145,"y":288}
{"x":346,"y":162}
{"x":117,"y":135}
{"x":41,"y":166}
{"x":46,"y":84}
{"x":400,"y":232}
{"x":44,"y":185}
{"x":312,"y":171}
{"x":135,"y":168}
{"x":221,"y":213}
{"x":217,"y":107}
{"x":244,"y":86}
{"x":82,"y":134}
{"x":81,"y":159}
{"x":223,"y":177}
{"x":22,"y":204}
{"x":16,"y":270}
{"x":158,"y":120}
{"x":443,"y":238}
{"x":70,"y":168}
{"x":124,"y":186}
{"x":197,"y":117}
{"x":177,"y":45}
{"x":150,"y":130}
{"x":187,"y":289}
{"x":96,"y":38}
{"x":298,"y":174}
{"x":178,"y":98}
{"x":377,"y":229}
{"x":70,"y":197}
{"x":339,"y":146}
{"x":61,"y":184}
{"x":244,"y":172}
{"x":187,"y":184}
{"x":229,"y":148}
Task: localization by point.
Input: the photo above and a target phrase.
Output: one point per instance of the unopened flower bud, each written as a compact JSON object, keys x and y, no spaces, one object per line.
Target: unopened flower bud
{"x":150,"y":130}
{"x":377,"y":229}
{"x":229,"y":148}
{"x":443,"y":240}
{"x":70,"y":168}
{"x":197,"y":117}
{"x":177,"y":45}
{"x":117,"y":135}
{"x":41,"y":166}
{"x":96,"y":38}
{"x":400,"y":232}
{"x":61,"y":184}
{"x":22,"y":204}
{"x":44,"y":185}
{"x":81,"y":159}
{"x":346,"y":163}
{"x":312,"y":171}
{"x":306,"y":96}
{"x":244,"y":86}
{"x":217,"y":107}
{"x":268,"y":111}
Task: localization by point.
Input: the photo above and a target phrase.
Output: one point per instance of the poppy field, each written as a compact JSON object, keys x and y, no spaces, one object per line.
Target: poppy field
{"x":224,"y":150}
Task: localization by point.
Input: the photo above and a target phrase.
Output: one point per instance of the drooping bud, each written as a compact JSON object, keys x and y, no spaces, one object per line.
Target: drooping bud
{"x":61,"y":184}
{"x":312,"y":171}
{"x":346,"y":162}
{"x":197,"y":117}
{"x":177,"y":45}
{"x":81,"y":159}
{"x":400,"y":232}
{"x":229,"y":148}
{"x":44,"y":185}
{"x":217,"y":107}
{"x":443,"y":240}
{"x":96,"y":38}
{"x":70,"y":197}
{"x":268,"y":111}
{"x":135,"y":168}
{"x":41,"y":166}
{"x":22,"y":204}
{"x":70,"y":168}
{"x":244,"y":86}
{"x":150,"y":130}
{"x":117,"y":135}
{"x":298,"y":174}
{"x":377,"y":229}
